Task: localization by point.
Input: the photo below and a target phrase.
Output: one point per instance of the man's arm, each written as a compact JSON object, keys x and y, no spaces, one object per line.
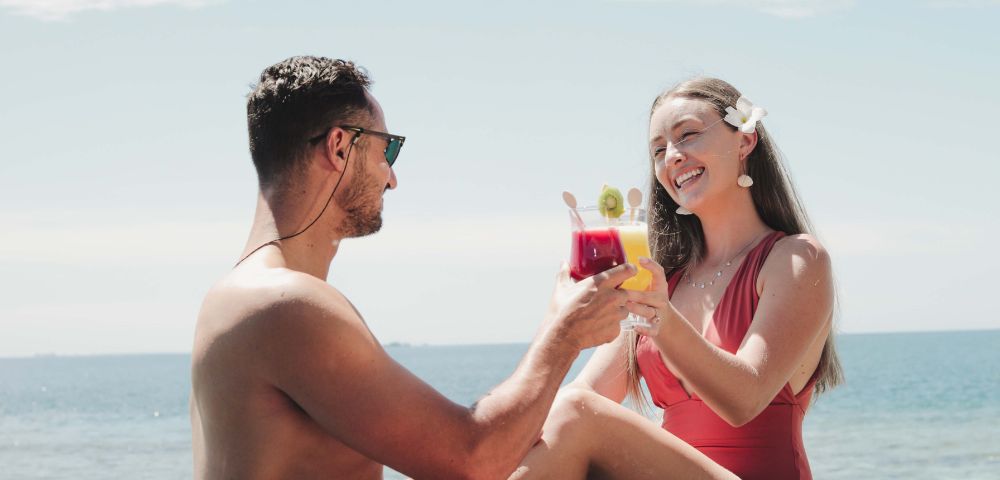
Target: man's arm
{"x":324,"y":358}
{"x":605,"y":372}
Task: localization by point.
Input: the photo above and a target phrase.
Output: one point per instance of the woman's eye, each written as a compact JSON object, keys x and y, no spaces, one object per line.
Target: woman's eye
{"x":688,"y":135}
{"x":657,"y":151}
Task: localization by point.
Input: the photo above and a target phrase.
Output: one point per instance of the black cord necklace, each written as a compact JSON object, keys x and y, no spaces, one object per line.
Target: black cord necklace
{"x":286,"y":237}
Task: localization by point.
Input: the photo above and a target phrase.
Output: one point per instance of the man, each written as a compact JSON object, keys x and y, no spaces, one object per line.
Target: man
{"x":288,"y":381}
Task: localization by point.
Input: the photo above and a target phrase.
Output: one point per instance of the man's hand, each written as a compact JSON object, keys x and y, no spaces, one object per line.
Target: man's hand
{"x":586,"y":313}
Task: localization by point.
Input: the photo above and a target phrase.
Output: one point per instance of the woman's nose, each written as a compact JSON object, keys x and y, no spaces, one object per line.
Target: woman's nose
{"x":673,"y":155}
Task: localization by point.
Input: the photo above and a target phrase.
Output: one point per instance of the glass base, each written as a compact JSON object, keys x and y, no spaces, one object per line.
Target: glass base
{"x":634,"y":321}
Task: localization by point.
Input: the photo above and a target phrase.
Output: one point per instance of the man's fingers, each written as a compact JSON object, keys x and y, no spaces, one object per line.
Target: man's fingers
{"x":615,"y":276}
{"x":563,"y":275}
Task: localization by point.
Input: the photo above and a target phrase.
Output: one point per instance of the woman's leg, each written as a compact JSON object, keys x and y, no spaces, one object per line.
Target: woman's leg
{"x":589,"y":436}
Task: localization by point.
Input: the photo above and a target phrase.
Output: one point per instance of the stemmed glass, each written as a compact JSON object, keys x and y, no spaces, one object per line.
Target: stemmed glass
{"x":601,"y":243}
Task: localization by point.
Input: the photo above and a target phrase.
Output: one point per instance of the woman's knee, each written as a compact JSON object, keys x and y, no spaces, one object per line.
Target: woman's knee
{"x":573,"y":409}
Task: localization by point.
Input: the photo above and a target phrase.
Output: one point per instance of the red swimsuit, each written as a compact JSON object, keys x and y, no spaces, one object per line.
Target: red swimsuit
{"x":769,"y":446}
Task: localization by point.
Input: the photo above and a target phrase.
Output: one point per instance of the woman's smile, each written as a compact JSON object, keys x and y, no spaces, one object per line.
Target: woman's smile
{"x":688,"y":178}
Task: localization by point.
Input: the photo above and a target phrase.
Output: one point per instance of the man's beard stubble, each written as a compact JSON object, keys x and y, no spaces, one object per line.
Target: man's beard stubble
{"x":361,"y":202}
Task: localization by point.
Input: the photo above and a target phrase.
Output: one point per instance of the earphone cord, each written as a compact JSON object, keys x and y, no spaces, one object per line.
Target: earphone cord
{"x":286,"y":237}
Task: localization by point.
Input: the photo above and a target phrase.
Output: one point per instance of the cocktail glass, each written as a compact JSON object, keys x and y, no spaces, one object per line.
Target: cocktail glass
{"x":596,"y":246}
{"x":634,"y":234}
{"x":600,"y":243}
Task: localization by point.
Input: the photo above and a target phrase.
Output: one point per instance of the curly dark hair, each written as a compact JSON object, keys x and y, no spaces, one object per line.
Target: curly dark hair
{"x":295,"y":100}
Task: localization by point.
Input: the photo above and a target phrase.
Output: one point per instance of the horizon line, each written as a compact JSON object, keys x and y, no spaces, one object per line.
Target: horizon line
{"x":402,"y":344}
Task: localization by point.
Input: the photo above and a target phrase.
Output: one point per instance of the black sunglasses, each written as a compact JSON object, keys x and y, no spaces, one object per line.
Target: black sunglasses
{"x":395,"y":142}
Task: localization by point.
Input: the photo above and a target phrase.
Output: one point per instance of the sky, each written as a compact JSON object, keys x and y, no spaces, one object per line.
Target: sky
{"x":126,"y":187}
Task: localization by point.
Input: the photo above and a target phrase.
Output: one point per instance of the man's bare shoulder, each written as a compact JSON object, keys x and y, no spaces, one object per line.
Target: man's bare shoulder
{"x":271,"y":293}
{"x":273,"y":348}
{"x":272,"y":310}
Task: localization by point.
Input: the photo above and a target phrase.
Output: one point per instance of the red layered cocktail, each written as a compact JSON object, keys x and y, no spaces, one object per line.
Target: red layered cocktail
{"x":594,"y":250}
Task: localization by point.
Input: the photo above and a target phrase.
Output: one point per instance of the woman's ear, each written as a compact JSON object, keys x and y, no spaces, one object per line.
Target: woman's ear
{"x":748,"y":142}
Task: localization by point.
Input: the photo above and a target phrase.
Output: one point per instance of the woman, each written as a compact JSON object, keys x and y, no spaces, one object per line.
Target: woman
{"x":742,"y":306}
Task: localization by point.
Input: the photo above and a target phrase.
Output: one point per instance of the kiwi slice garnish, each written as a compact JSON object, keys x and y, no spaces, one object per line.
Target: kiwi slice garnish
{"x":610,"y":203}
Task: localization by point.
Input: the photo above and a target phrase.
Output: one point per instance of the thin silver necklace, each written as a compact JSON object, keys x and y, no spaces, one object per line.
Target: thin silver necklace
{"x":702,"y":285}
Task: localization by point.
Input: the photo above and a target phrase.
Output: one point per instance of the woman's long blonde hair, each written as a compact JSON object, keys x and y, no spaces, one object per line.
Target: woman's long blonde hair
{"x":678,"y":240}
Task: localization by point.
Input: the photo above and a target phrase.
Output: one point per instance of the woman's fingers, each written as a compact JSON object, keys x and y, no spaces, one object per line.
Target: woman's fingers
{"x":653,"y":299}
{"x":649,"y":314}
{"x":641,"y":310}
{"x":652,"y":330}
{"x":659,"y":275}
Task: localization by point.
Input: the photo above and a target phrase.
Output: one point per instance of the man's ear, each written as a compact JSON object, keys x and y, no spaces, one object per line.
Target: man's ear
{"x":336,"y":148}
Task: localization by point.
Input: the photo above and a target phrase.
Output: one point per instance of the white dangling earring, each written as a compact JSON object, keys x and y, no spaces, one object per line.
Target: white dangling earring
{"x":744,"y":180}
{"x":683,"y":211}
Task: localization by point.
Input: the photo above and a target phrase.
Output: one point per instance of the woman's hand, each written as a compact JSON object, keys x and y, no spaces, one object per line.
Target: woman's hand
{"x":653,"y":304}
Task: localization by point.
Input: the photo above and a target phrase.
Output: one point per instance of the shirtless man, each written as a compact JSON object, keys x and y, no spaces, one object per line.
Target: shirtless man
{"x":288,"y":381}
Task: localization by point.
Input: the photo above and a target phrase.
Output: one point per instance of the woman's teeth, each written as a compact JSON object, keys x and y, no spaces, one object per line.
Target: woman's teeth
{"x":681,"y":180}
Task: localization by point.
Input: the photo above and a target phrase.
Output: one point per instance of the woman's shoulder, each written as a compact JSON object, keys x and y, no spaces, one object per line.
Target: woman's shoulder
{"x":795,"y":256}
{"x":799,"y":244}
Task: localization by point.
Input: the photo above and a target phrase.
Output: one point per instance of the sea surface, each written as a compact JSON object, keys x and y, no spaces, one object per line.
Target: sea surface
{"x":916,"y":405}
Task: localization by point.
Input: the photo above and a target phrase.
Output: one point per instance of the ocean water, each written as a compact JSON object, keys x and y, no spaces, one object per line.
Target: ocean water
{"x":916,"y":405}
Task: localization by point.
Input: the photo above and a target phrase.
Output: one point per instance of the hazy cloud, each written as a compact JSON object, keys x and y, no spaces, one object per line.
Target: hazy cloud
{"x":962,"y":3}
{"x":904,"y":238}
{"x":778,"y":8}
{"x":54,"y":10}
{"x":401,"y":241}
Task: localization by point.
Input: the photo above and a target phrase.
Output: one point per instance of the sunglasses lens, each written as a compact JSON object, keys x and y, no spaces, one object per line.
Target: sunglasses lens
{"x":392,"y":151}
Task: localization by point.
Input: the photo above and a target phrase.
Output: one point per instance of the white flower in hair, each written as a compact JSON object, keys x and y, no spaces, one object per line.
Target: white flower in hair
{"x":745,"y":115}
